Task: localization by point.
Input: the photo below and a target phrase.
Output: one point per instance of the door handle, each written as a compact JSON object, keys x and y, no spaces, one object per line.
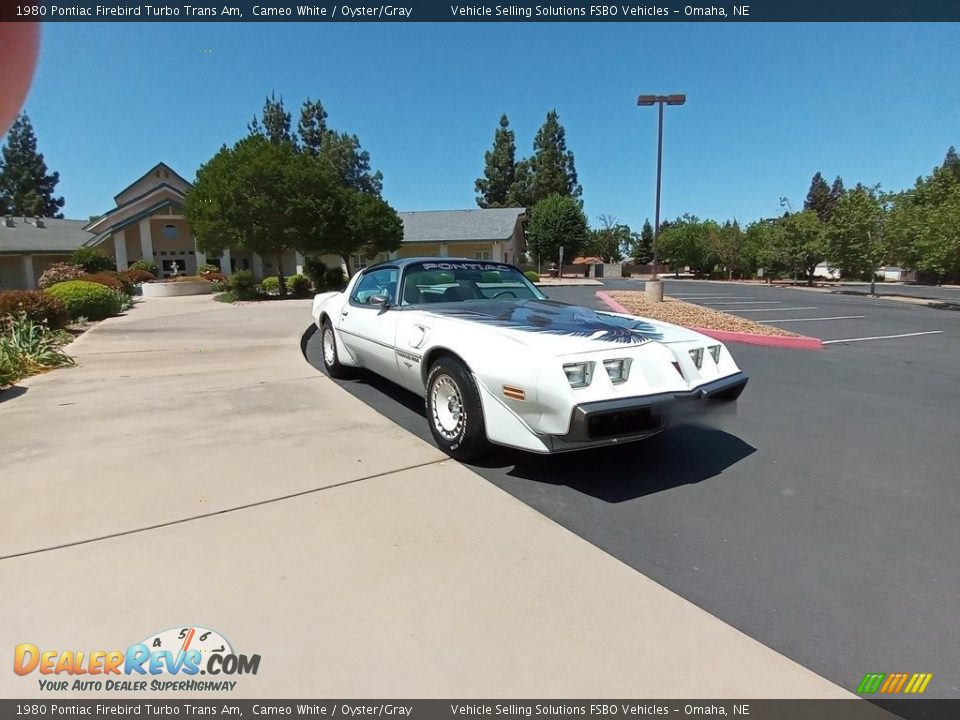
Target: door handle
{"x":344,"y":313}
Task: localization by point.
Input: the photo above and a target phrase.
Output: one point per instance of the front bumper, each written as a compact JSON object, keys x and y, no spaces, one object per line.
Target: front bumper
{"x":612,"y":421}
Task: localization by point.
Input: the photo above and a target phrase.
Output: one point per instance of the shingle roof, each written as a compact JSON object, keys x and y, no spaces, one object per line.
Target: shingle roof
{"x":54,"y":236}
{"x":460,"y":225}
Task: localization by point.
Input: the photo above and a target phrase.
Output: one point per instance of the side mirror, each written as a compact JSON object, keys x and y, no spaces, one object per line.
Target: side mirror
{"x":380,"y":301}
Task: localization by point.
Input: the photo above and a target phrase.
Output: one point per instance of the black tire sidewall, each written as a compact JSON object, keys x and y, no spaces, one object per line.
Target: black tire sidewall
{"x":472,"y":439}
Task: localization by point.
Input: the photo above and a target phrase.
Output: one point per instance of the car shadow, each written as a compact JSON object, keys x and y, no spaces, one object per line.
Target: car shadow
{"x":9,"y":393}
{"x":683,"y":455}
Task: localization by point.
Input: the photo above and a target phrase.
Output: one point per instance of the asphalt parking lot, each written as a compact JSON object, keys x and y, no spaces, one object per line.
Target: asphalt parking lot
{"x":820,"y":519}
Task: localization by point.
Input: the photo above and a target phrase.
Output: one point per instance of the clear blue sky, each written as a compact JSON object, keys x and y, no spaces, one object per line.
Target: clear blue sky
{"x":768,"y":105}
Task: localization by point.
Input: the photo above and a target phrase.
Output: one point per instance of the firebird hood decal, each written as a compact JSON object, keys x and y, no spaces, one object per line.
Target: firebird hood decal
{"x":553,"y":318}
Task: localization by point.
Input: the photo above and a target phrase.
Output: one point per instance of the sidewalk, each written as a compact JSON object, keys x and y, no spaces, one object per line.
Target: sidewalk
{"x":353,"y":557}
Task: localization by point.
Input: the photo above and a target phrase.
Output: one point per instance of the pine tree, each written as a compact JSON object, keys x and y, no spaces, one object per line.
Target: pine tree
{"x":350,"y":162}
{"x":25,"y":186}
{"x":836,"y":192}
{"x":552,"y":164}
{"x":312,"y":126}
{"x":500,"y":169}
{"x":275,"y":124}
{"x":818,"y":198}
{"x":521,"y":191}
{"x":952,"y":162}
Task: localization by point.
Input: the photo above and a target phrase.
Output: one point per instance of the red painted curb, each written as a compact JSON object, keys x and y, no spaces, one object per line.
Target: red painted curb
{"x":795,"y":342}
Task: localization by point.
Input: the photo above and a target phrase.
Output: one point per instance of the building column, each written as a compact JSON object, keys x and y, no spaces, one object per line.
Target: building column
{"x":146,"y":243}
{"x":496,"y":252}
{"x":298,"y":259}
{"x":225,"y":262}
{"x":120,"y":250}
{"x":443,"y":249}
{"x":29,"y":278}
{"x":257,"y":265}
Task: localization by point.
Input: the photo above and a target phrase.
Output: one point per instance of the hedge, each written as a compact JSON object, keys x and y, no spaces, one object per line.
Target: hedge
{"x":36,"y":304}
{"x":86,"y":299}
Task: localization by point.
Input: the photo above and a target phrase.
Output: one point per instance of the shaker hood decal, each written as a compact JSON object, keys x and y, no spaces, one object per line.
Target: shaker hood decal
{"x":553,"y":318}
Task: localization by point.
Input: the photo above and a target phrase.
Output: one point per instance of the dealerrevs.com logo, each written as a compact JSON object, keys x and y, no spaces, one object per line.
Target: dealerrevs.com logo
{"x":170,"y":660}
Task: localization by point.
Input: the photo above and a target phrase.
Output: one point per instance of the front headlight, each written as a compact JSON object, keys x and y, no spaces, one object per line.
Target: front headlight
{"x":617,"y":369}
{"x":714,"y":352}
{"x":697,"y":355}
{"x":578,"y":374}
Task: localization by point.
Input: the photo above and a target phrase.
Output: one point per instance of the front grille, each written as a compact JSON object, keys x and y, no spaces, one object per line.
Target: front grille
{"x":621,"y":422}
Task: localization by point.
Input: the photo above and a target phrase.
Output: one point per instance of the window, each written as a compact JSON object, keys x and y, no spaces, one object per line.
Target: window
{"x":482,"y":255}
{"x":170,"y":231}
{"x":449,"y":281}
{"x":379,"y":282}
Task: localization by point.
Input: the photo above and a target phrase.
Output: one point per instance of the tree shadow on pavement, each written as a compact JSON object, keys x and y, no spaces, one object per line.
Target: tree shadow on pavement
{"x":14,"y":391}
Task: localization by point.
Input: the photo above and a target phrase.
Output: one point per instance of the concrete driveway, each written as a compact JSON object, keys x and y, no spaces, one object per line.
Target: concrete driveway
{"x":194,"y":470}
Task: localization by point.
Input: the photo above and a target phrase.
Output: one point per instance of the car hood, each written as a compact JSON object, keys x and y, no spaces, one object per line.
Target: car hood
{"x":559,"y":328}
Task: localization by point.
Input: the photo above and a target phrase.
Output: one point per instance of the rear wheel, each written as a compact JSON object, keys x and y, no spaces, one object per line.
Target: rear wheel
{"x":454,"y":411}
{"x":330,"y":352}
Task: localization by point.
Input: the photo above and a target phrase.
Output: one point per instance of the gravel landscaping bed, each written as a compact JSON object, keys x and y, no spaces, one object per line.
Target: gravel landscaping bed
{"x":684,"y":313}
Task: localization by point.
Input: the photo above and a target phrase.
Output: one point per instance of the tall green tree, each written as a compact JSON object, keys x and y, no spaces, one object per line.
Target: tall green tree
{"x":555,"y":222}
{"x":275,"y":122}
{"x":836,"y":191}
{"x":799,"y":239}
{"x":312,"y":127}
{"x":925,"y":225}
{"x":370,"y":227}
{"x":856,"y":238}
{"x":350,"y":162}
{"x":609,"y":241}
{"x":521,"y":190}
{"x":26,"y":187}
{"x":725,"y":246}
{"x":818,"y":198}
{"x":552,"y":164}
{"x":641,"y":244}
{"x":493,"y":189}
{"x":688,"y":242}
{"x":951,"y":162}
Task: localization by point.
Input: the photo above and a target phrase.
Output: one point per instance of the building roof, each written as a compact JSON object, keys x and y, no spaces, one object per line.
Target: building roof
{"x":481,"y":224}
{"x":56,"y":236}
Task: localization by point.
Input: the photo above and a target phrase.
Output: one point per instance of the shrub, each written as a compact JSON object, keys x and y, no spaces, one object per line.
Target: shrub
{"x":136,"y":275}
{"x":226,"y":297}
{"x":147,"y":265}
{"x":316,"y":270}
{"x":270,"y":285}
{"x":207,"y":268}
{"x":114,"y":281}
{"x":213,"y":276}
{"x":27,"y":347}
{"x":38,"y":306}
{"x":626,"y":270}
{"x":93,"y":260}
{"x":243,"y":285}
{"x":59,"y":272}
{"x":86,"y":299}
{"x":335,"y":279}
{"x":219,"y":285}
{"x":532,"y":276}
{"x":298,"y":285}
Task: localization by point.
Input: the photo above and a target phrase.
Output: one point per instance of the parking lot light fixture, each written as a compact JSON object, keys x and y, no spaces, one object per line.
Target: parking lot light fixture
{"x":660,"y":100}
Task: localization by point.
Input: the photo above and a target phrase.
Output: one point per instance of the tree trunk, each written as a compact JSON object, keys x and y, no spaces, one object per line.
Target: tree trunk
{"x":278,"y":258}
{"x":346,"y":263}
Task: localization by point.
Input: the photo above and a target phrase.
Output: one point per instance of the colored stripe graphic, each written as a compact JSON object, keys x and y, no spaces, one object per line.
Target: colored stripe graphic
{"x":894,"y":683}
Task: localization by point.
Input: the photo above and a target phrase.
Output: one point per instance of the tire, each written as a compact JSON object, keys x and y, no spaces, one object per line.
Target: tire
{"x":454,"y":411}
{"x":331,"y":353}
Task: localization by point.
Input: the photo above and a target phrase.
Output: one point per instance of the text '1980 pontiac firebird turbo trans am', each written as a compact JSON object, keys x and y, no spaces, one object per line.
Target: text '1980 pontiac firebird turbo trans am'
{"x":497,"y":362}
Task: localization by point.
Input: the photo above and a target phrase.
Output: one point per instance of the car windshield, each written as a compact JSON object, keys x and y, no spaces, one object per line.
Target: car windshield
{"x":450,"y":281}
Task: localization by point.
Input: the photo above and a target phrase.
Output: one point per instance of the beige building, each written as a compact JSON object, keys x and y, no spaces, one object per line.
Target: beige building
{"x":148,"y":222}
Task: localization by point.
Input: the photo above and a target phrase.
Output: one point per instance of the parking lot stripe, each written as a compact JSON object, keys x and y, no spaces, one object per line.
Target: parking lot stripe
{"x":710,"y":297}
{"x":838,"y":317}
{"x":811,"y":307}
{"x":883,"y":337}
{"x":747,"y":302}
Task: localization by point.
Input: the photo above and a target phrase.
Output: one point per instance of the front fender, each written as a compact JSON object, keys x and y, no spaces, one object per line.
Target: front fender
{"x":326,"y":303}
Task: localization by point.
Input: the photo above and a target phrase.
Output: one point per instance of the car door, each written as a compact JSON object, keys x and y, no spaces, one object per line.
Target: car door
{"x":368,"y":329}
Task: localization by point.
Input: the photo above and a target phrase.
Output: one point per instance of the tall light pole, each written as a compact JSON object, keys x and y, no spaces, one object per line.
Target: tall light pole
{"x":661,"y":100}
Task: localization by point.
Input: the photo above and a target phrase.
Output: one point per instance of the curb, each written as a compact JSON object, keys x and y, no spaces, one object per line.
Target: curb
{"x":796,"y":342}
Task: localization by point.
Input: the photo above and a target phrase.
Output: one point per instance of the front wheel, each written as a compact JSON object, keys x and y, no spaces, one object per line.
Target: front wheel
{"x":454,"y":411}
{"x":331,"y":353}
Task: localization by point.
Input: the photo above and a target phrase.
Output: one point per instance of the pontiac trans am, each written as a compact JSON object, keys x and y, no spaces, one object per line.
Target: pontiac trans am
{"x":498,"y":362}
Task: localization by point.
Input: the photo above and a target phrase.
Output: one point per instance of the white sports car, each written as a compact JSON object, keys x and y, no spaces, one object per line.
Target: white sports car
{"x":497,"y":362}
